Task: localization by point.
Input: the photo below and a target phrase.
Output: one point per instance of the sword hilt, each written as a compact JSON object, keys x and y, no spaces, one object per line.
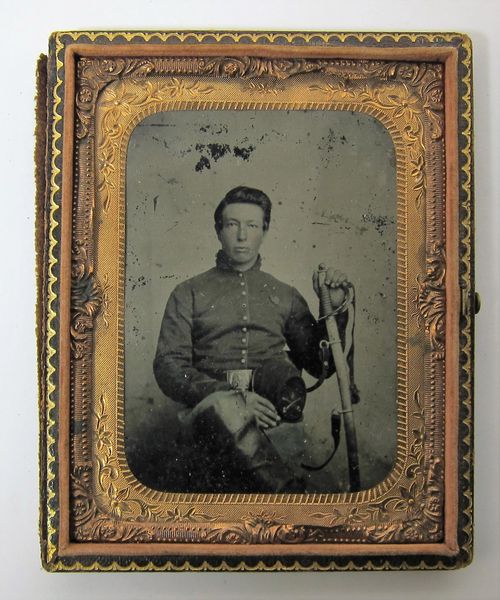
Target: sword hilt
{"x":325,"y":302}
{"x":326,"y":308}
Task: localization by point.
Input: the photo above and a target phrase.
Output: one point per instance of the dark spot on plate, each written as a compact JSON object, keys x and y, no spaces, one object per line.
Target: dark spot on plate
{"x":218,"y":150}
{"x":243,"y":152}
{"x":203,"y":163}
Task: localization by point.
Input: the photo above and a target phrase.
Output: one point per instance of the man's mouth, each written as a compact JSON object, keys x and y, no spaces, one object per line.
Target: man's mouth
{"x":241,"y":249}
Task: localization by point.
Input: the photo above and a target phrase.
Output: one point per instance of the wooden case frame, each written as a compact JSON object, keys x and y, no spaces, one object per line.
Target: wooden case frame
{"x":93,"y":89}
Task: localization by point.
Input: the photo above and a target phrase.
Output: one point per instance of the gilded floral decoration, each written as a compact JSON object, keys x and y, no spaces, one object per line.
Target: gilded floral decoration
{"x":113,"y":95}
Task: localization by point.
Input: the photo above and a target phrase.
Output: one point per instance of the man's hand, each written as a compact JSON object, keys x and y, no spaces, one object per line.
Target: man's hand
{"x":333,"y":279}
{"x":263,"y":410}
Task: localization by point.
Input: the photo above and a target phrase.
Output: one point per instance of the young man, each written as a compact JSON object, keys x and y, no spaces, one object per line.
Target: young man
{"x":218,"y":329}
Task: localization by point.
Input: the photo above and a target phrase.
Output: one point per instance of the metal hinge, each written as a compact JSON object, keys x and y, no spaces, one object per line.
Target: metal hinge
{"x":469,"y":302}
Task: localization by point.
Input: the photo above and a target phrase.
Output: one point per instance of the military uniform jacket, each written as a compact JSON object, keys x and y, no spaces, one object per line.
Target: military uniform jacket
{"x":227,"y":319}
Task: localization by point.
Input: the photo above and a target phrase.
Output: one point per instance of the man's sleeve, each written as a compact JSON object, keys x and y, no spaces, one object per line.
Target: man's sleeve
{"x":173,"y":364}
{"x":303,"y":335}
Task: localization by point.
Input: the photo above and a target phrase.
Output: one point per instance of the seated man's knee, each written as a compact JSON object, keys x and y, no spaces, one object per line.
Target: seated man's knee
{"x":225,"y":410}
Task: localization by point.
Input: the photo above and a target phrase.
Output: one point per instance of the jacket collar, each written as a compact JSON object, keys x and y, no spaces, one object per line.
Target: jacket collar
{"x":223,"y":263}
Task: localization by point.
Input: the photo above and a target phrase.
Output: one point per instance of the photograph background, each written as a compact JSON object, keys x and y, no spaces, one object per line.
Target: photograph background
{"x":331,"y":177}
{"x":26,"y":30}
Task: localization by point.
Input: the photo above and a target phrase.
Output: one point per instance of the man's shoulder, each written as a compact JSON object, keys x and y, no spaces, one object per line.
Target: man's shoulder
{"x":272,"y":279}
{"x":268,"y":278}
{"x":197,"y":281}
{"x":277,"y":284}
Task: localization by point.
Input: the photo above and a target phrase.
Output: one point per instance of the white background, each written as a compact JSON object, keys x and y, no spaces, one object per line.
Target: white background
{"x":25,"y":30}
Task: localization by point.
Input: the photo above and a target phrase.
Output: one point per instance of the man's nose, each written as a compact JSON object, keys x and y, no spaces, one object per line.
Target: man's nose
{"x":242,"y":232}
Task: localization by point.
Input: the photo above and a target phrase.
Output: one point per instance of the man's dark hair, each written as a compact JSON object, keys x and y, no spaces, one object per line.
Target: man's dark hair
{"x":243,"y":195}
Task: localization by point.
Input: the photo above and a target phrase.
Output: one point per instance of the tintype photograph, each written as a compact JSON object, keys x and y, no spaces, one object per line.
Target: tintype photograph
{"x":256,"y":301}
{"x":229,"y":216}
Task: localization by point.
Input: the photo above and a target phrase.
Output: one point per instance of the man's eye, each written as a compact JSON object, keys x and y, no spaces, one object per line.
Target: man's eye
{"x":230,"y":224}
{"x":253,"y":225}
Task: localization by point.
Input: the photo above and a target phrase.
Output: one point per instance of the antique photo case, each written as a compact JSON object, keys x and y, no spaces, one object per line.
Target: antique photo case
{"x":255,"y":301}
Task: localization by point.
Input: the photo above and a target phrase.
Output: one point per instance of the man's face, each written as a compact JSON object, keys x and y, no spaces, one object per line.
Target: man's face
{"x":242,"y":234}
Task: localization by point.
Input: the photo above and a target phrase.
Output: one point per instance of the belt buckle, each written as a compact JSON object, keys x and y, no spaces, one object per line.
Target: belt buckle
{"x":239,"y":379}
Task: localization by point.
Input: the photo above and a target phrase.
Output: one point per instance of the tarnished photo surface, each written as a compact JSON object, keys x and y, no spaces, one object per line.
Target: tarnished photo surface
{"x":331,"y":179}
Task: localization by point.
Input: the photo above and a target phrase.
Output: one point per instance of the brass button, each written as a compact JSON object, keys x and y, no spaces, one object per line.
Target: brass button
{"x":244,"y":330}
{"x":244,"y":340}
{"x":242,"y":361}
{"x":245,"y":318}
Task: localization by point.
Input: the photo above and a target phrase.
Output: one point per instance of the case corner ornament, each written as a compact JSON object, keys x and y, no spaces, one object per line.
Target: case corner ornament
{"x":93,"y":74}
{"x":430,"y":300}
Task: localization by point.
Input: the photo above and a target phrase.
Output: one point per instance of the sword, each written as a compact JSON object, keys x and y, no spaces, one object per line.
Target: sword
{"x":342,"y":370}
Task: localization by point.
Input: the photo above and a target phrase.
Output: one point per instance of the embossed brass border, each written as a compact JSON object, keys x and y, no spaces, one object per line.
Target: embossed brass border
{"x":451,"y":49}
{"x":121,"y":106}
